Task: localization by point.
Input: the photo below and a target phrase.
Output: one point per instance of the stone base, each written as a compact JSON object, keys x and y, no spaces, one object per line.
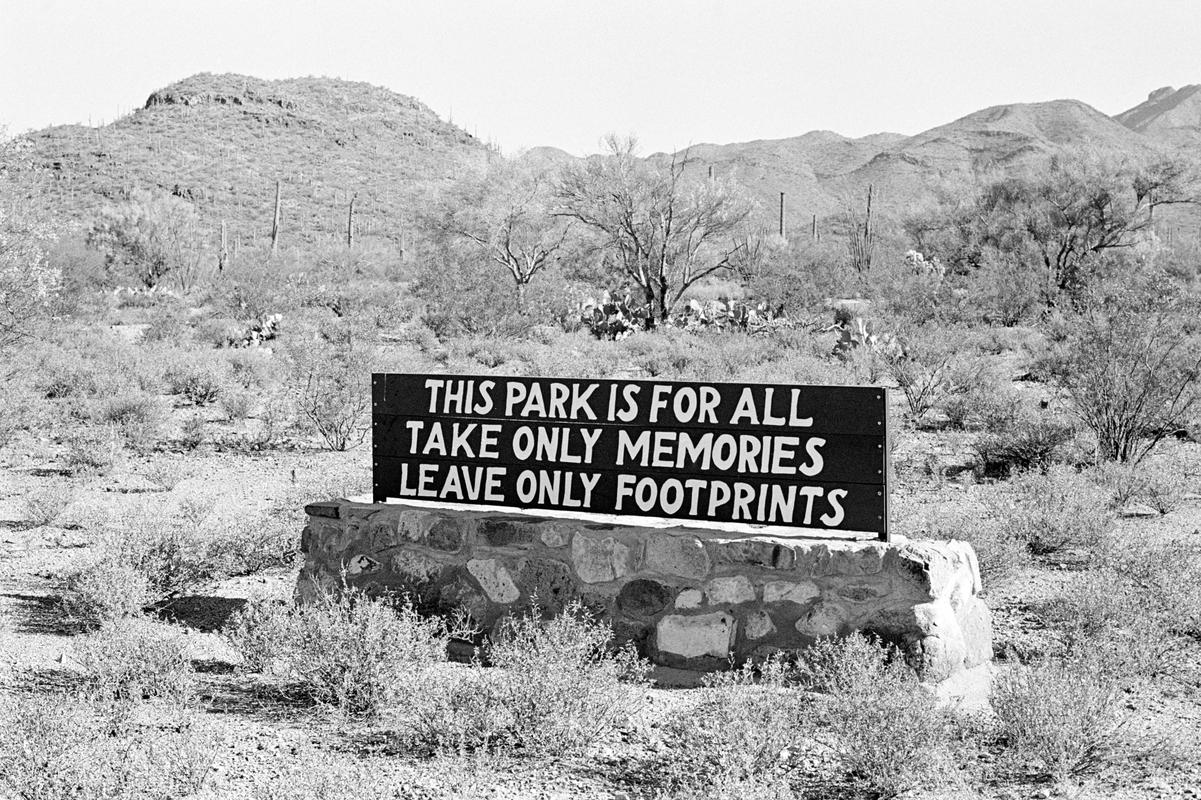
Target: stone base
{"x":685,"y":597}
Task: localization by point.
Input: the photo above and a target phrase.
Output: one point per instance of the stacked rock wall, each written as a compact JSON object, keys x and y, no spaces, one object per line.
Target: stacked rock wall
{"x":686,"y":597}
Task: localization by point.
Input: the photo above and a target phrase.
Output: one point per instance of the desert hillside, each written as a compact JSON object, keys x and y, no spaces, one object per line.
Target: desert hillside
{"x":222,"y":141}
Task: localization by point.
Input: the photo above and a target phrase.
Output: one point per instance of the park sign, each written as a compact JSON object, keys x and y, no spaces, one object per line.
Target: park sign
{"x":785,"y":456}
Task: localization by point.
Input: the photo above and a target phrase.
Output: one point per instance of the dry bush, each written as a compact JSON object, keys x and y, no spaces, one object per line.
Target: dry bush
{"x":349,"y":651}
{"x":67,"y":374}
{"x":191,"y":432}
{"x":867,"y":696}
{"x":238,"y":404}
{"x":921,"y":365}
{"x":1164,"y":575}
{"x":137,"y":659}
{"x":1023,"y":442}
{"x":1058,"y":718}
{"x":1051,"y":512}
{"x":103,"y":592}
{"x":999,"y":553}
{"x":556,"y":687}
{"x":199,"y":380}
{"x":1122,"y":622}
{"x":1131,"y":362}
{"x":563,"y":682}
{"x":330,"y":380}
{"x":1155,"y":481}
{"x":746,"y":729}
{"x":72,"y":747}
{"x":166,"y":551}
{"x":44,"y":504}
{"x":244,"y":547}
{"x":167,"y":473}
{"x":140,"y":417}
{"x":91,"y":451}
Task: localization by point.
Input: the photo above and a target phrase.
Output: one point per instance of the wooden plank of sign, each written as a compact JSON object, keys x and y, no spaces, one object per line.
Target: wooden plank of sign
{"x":795,"y":453}
{"x":749,"y":500}
{"x":855,"y":410}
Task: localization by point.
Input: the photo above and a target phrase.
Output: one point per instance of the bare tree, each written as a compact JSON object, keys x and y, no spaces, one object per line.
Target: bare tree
{"x":505,"y":215}
{"x":662,"y":232}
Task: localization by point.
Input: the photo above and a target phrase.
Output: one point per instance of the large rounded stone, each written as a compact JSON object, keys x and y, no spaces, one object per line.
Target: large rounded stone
{"x":758,"y":625}
{"x":549,"y":580}
{"x":710,"y":635}
{"x":729,"y":590}
{"x":643,"y":598}
{"x":684,"y":556}
{"x":598,"y":558}
{"x":504,"y":532}
{"x":445,"y":534}
{"x":494,"y":579}
{"x":799,"y":592}
{"x":756,"y":552}
{"x":824,"y":619}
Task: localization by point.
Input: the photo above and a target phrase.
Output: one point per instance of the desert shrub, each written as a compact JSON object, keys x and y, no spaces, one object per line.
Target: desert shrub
{"x":1058,"y":718}
{"x":350,"y":651}
{"x":979,"y":399}
{"x":1104,"y":613}
{"x":1023,"y":443}
{"x":252,"y":368}
{"x":200,"y":381}
{"x":167,"y":473}
{"x":219,"y":331}
{"x":866,"y":695}
{"x":137,"y":659}
{"x":920,"y":364}
{"x":19,"y":410}
{"x":102,"y":592}
{"x":191,"y":432}
{"x":564,"y":684}
{"x":1164,"y":574}
{"x":151,"y":235}
{"x":238,"y":404}
{"x":747,"y":728}
{"x":166,"y":551}
{"x":43,"y":505}
{"x":250,"y":546}
{"x":999,"y":553}
{"x":168,"y":323}
{"x":330,"y":380}
{"x":556,"y":686}
{"x":1131,"y":363}
{"x":64,"y":746}
{"x":70,"y":375}
{"x":1160,"y":484}
{"x":91,"y":451}
{"x":139,"y":417}
{"x":1050,"y":512}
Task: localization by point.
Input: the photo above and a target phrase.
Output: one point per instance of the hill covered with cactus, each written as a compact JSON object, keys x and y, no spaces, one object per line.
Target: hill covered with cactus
{"x":222,"y":141}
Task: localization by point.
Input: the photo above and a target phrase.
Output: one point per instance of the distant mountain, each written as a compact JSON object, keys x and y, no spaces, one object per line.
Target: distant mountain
{"x":222,"y":141}
{"x":1168,"y":115}
{"x":821,"y":172}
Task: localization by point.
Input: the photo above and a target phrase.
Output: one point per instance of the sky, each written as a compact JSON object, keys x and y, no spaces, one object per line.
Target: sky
{"x":564,"y":73}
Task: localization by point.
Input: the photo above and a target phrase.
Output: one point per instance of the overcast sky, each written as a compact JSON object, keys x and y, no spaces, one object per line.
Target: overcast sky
{"x":565,"y":72}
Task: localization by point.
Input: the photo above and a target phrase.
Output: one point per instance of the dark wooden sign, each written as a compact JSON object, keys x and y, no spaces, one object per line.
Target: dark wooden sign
{"x":790,"y":456}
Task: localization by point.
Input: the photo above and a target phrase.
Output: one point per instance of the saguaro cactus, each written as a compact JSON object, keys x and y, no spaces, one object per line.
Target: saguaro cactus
{"x":275,"y":221}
